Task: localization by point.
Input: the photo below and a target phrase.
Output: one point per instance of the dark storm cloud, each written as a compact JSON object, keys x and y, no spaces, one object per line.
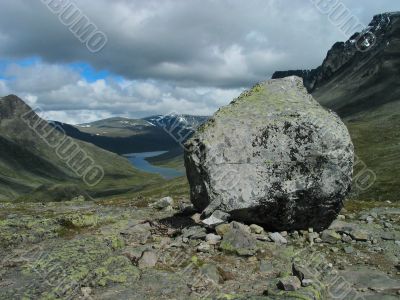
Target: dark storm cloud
{"x":217,"y":43}
{"x":223,"y":45}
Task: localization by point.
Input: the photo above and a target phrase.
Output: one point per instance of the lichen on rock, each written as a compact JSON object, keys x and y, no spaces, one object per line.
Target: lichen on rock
{"x":273,"y":157}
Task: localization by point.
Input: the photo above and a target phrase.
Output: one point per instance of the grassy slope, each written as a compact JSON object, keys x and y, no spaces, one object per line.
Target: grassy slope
{"x":28,"y":163}
{"x":376,"y":136}
{"x":365,"y":93}
{"x":172,"y":159}
{"x":178,"y":188}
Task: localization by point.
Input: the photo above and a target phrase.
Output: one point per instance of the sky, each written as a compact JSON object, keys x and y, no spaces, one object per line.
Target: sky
{"x":160,"y":56}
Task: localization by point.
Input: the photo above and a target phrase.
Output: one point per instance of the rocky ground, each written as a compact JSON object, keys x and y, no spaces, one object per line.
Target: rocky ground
{"x":130,"y":250}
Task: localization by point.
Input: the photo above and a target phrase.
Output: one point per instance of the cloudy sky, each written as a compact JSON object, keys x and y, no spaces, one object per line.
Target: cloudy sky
{"x":161,"y":56}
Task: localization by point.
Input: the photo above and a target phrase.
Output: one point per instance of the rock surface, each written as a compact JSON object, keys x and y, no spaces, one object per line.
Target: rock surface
{"x":163,"y":203}
{"x":291,"y":283}
{"x":106,"y":251}
{"x":238,"y":241}
{"x":273,"y":157}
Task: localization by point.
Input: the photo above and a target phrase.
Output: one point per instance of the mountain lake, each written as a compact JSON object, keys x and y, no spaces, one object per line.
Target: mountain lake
{"x":139,"y":161}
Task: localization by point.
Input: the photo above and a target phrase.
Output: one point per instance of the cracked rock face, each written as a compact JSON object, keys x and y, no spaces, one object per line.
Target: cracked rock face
{"x":273,"y":157}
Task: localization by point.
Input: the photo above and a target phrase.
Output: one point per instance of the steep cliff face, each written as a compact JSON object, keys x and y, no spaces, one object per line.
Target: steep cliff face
{"x":349,"y":80}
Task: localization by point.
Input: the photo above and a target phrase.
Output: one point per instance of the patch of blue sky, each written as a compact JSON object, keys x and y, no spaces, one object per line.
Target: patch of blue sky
{"x":85,"y":70}
{"x":25,"y":62}
{"x":89,"y":73}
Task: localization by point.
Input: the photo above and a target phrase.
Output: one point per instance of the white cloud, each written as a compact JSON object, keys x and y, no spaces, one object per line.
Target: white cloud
{"x":31,"y":99}
{"x":40,"y":77}
{"x":3,"y":88}
{"x":196,"y":42}
{"x":76,"y":116}
{"x":186,"y":56}
{"x":69,"y":98}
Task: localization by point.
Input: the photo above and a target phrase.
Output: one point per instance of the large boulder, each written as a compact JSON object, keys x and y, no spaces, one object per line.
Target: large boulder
{"x":273,"y":157}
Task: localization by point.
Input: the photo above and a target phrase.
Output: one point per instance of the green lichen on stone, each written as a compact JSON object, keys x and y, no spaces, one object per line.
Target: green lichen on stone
{"x":228,"y":248}
{"x":115,"y":241}
{"x":80,"y":220}
{"x":196,"y":261}
{"x":315,"y":291}
{"x":227,"y":297}
{"x":88,"y":261}
{"x":27,"y":229}
{"x":116,"y":269}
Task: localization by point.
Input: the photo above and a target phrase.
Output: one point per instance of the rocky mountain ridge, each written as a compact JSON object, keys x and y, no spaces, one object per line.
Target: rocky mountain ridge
{"x":345,"y":57}
{"x":124,"y":135}
{"x":363,"y":87}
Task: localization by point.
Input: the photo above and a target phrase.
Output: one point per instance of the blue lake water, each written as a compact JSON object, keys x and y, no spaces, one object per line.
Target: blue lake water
{"x":139,"y":161}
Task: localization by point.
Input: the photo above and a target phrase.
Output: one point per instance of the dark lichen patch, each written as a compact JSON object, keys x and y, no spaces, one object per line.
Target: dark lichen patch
{"x":79,"y":220}
{"x":26,"y":229}
{"x":117,"y":269}
{"x":65,"y":266}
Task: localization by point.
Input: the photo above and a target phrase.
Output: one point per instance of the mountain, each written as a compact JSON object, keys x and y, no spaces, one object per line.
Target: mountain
{"x":120,"y":136}
{"x":35,"y":158}
{"x":177,"y":121}
{"x":123,"y":135}
{"x":363,"y":87}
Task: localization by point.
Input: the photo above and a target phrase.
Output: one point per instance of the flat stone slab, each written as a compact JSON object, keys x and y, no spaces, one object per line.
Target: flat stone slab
{"x":362,"y":277}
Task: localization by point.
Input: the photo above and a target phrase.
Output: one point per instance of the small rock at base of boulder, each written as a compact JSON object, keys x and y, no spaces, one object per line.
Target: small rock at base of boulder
{"x":212,"y":221}
{"x":330,"y":236}
{"x":360,"y":235}
{"x":348,"y":250}
{"x":290,"y":283}
{"x":216,"y":218}
{"x":346,"y":238}
{"x":237,"y":240}
{"x":204,"y":247}
{"x":163,"y":203}
{"x":277,"y":238}
{"x":196,"y":218}
{"x":256,"y":229}
{"x":213,"y":239}
{"x":222,"y":229}
{"x":194,"y":233}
